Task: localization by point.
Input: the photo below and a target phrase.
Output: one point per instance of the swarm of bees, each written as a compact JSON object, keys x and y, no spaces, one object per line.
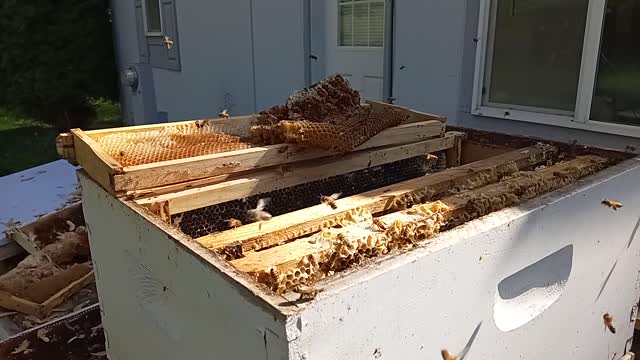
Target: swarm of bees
{"x":224,"y":114}
{"x":330,"y":200}
{"x":306,"y":292}
{"x":608,"y":322}
{"x":234,"y":223}
{"x":612,"y":204}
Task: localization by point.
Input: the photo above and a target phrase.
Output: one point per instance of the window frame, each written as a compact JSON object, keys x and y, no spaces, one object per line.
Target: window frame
{"x":580,"y":118}
{"x":146,"y":21}
{"x":339,"y":3}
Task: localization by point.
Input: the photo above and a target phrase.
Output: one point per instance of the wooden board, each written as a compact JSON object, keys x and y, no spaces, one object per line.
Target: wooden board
{"x":306,"y":221}
{"x":94,"y":161}
{"x":48,"y":225}
{"x":181,"y":170}
{"x":40,"y":310}
{"x":237,"y":188}
{"x":81,"y":147}
{"x":288,"y":255}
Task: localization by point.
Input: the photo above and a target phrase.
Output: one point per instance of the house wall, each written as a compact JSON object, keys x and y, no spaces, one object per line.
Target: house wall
{"x":237,"y":55}
{"x":537,"y":280}
{"x":161,"y":299}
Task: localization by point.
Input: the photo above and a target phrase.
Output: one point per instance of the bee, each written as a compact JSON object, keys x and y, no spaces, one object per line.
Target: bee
{"x":234,"y":223}
{"x":283,"y":149}
{"x":121,"y":153}
{"x":223,"y":114}
{"x":612,"y":204}
{"x":200,"y":123}
{"x":608,"y":322}
{"x":343,"y":239}
{"x":430,"y":157}
{"x":330,"y":200}
{"x":232,"y":251}
{"x":630,"y":148}
{"x":380,"y":224}
{"x":258,"y":214}
{"x":274,"y":276}
{"x":306,"y":292}
{"x":446,"y":355}
{"x":283,"y":169}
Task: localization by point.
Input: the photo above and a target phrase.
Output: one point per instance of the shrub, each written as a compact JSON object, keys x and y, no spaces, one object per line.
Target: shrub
{"x":54,"y":56}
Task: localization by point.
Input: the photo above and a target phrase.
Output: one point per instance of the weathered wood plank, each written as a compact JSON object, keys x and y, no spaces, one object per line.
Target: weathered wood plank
{"x":306,"y":221}
{"x":270,"y":180}
{"x":523,"y":188}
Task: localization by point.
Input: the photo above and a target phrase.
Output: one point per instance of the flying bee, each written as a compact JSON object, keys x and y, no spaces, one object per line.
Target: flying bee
{"x":306,"y":292}
{"x":223,"y":114}
{"x":258,"y":214}
{"x":612,"y":204}
{"x":380,"y":224}
{"x":446,"y":355}
{"x":608,"y":322}
{"x":430,"y":157}
{"x":330,"y":200}
{"x":234,"y":223}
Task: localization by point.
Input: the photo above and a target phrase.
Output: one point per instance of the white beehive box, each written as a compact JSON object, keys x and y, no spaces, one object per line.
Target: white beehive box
{"x":531,"y":281}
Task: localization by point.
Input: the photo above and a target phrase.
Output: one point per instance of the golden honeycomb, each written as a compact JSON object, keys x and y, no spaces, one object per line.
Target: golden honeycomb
{"x":169,"y":143}
{"x":358,"y":238}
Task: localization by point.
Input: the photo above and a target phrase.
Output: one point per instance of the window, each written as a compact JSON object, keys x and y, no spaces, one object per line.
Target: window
{"x":571,"y":63}
{"x":153,"y":17}
{"x":361,"y":23}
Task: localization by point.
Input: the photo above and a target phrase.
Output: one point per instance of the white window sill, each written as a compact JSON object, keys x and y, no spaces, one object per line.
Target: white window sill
{"x":558,"y":120}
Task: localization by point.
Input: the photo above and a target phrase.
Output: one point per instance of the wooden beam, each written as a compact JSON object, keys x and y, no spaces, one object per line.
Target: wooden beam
{"x":94,"y":160}
{"x":511,"y":192}
{"x":180,"y":170}
{"x":309,"y":220}
{"x":256,"y":183}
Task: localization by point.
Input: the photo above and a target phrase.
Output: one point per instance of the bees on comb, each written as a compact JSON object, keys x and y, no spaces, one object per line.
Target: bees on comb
{"x":330,"y":200}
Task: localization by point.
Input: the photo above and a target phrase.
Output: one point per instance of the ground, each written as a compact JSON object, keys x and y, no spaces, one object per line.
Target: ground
{"x":25,"y":143}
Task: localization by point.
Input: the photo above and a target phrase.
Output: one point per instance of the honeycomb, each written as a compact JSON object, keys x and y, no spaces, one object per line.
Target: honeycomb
{"x":169,"y":143}
{"x":363,"y":238}
{"x":341,"y":137}
{"x":214,"y":218}
{"x":328,"y":116}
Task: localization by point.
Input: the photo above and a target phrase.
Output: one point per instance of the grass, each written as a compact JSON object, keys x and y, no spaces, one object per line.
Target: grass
{"x":25,"y":142}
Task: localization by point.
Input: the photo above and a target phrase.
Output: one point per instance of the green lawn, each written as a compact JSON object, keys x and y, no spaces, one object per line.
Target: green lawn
{"x":26,"y":143}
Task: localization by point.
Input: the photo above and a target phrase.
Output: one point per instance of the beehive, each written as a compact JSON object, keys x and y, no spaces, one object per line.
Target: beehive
{"x":392,"y":249}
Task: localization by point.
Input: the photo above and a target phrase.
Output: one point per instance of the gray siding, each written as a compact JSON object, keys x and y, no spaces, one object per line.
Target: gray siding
{"x":240,"y":55}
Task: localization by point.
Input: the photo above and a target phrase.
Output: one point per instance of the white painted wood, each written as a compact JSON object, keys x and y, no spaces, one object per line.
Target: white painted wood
{"x":29,"y":194}
{"x":161,"y":296}
{"x":362,"y":66}
{"x":414,"y":305}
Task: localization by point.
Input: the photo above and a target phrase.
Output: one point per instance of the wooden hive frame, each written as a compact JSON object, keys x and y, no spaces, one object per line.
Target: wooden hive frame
{"x":81,"y":147}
